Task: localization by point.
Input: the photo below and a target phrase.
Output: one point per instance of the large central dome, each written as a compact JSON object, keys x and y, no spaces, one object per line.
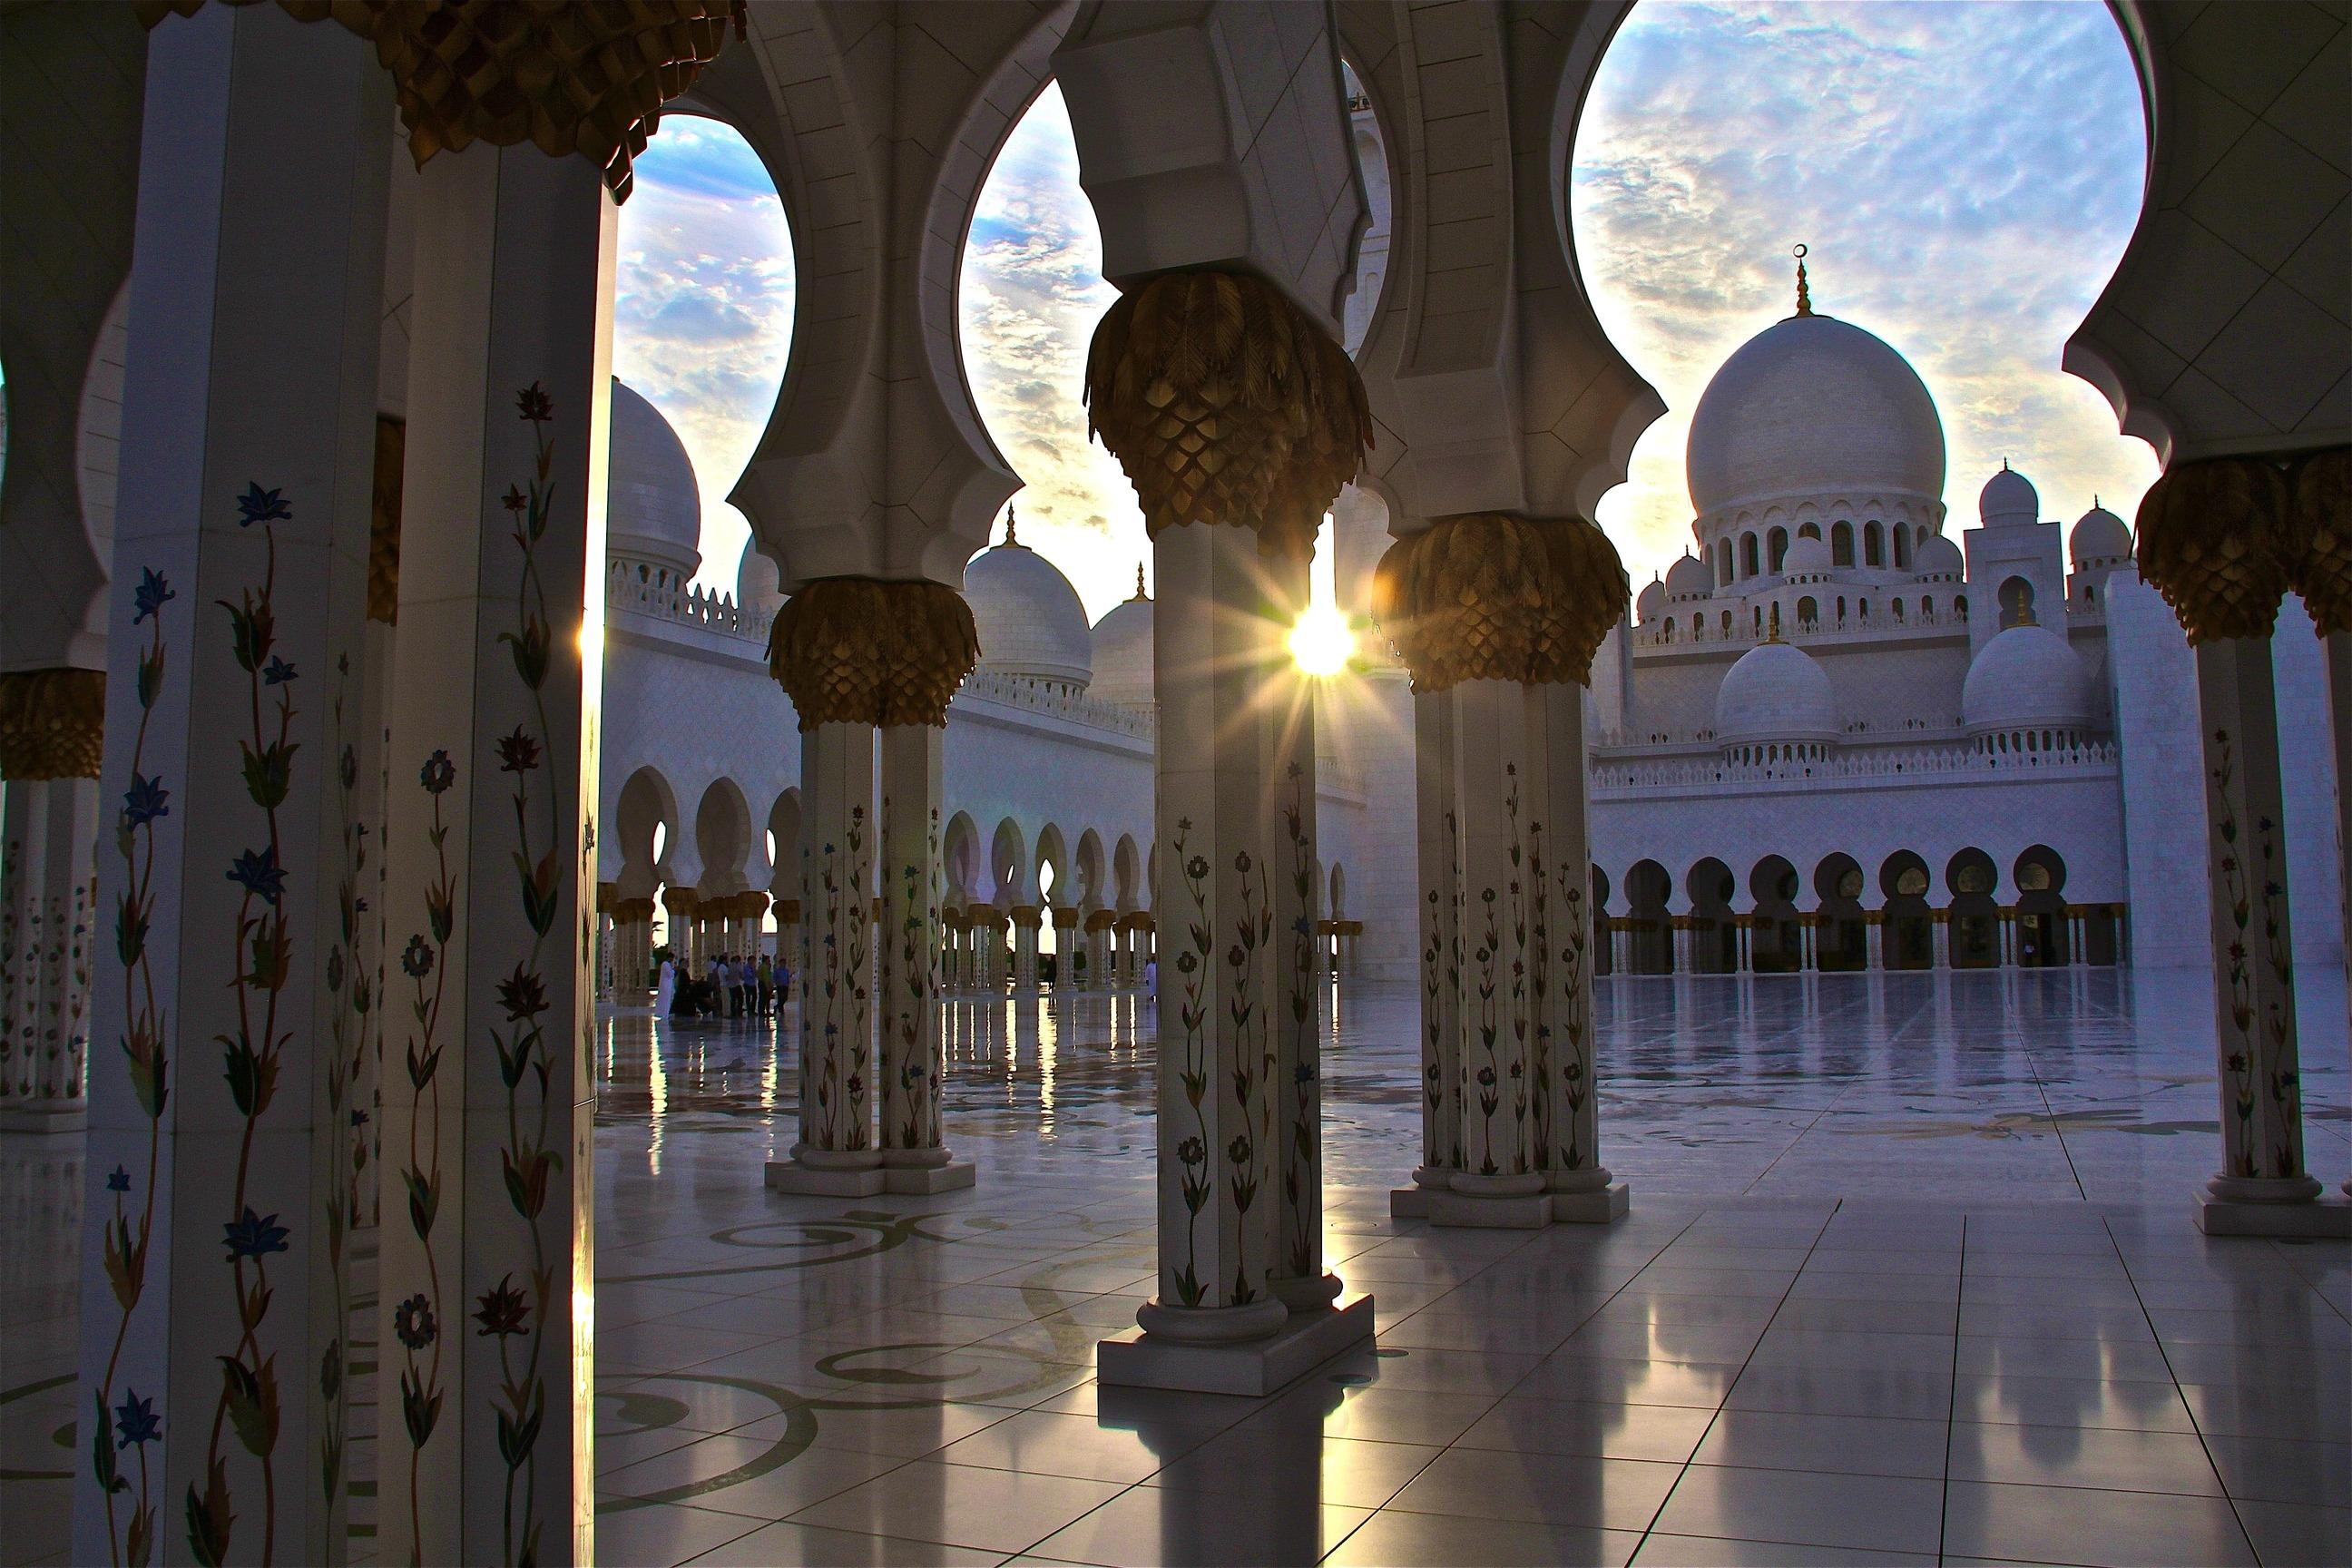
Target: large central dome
{"x":1812,"y":406}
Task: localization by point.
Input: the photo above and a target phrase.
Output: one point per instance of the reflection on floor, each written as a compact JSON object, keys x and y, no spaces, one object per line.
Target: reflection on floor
{"x":1862,"y":1311}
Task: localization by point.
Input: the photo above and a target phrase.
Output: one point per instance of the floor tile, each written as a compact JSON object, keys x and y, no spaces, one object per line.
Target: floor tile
{"x":2082,"y":1457}
{"x":1703,"y":1552}
{"x":2096,"y":1529}
{"x":783,"y":1544}
{"x":1540,"y":1488}
{"x":1147,"y":1528}
{"x":1265,"y":1471}
{"x":1044,"y":1443}
{"x":2279,"y":1469}
{"x":2298,"y":1535}
{"x":660,"y":1535}
{"x":959,"y":1505}
{"x":1877,"y":1513}
{"x":1394,"y":1539}
{"x":1657,"y":1432}
{"x":1843,"y":1445}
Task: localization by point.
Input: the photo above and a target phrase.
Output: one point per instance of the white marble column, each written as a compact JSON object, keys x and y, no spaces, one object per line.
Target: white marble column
{"x":1437,"y":820}
{"x":1026,"y":918}
{"x":835,"y":1151}
{"x":2254,"y":947}
{"x":1500,"y":741}
{"x":50,"y":934}
{"x":1287,"y":829}
{"x":1067,"y":943}
{"x":1567,"y":1074}
{"x":1942,"y":919}
{"x":915,"y":1155}
{"x":214,"y":1368}
{"x":486,"y":1436}
{"x":1876,"y":927}
{"x":2338,"y":645}
{"x":1218,"y":1232}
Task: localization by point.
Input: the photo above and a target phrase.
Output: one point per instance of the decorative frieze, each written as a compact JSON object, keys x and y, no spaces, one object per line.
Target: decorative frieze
{"x":52,"y":724}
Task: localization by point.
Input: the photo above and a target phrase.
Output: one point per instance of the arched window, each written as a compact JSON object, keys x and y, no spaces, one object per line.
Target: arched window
{"x":1723,"y":562}
{"x":2091,"y":592}
{"x":1960,"y":603}
{"x":1865,"y":609}
{"x":1809,"y":530}
{"x":1727,"y":622}
{"x":1927,"y":609}
{"x":1779,"y":543}
{"x":1874,"y":549}
{"x":2016,"y":602}
{"x":1758,"y":612}
{"x":1902,"y":549}
{"x":1748,"y":562}
{"x":1898,"y":610}
{"x":1841,"y":544}
{"x":1808,"y":614}
{"x":1840,"y":609}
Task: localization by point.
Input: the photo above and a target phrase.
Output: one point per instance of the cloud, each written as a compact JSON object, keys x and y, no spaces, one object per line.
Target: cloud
{"x":1965,"y":175}
{"x":703,"y":309}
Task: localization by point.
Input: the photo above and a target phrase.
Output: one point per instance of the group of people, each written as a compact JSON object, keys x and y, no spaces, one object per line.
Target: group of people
{"x":730,"y":987}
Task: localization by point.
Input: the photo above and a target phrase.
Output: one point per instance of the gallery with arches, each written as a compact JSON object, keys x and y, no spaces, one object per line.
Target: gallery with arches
{"x":1837,"y":1051}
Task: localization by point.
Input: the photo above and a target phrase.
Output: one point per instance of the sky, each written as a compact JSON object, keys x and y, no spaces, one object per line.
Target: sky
{"x":1965,"y":175}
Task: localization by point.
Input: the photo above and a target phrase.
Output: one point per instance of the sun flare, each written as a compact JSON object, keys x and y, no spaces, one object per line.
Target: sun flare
{"x":1321,"y":643}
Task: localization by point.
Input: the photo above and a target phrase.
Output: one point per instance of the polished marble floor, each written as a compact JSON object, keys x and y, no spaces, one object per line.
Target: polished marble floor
{"x":1909,"y":1277}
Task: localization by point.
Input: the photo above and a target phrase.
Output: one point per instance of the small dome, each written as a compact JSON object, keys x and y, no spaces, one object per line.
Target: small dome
{"x":1807,"y":555}
{"x":1030,"y":621}
{"x":653,"y":508}
{"x":1688,"y":579}
{"x":757,"y":589}
{"x":2099,"y":536}
{"x":1813,"y":406}
{"x":1775,"y":692}
{"x":1650,"y":602}
{"x":1938,"y":557}
{"x":2026,"y":676}
{"x":2008,"y":497}
{"x":1123,"y":652}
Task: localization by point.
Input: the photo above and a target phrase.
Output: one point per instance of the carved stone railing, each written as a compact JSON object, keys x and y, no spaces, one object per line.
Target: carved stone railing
{"x":647,"y":588}
{"x":1012,"y":691}
{"x":1945,"y":764}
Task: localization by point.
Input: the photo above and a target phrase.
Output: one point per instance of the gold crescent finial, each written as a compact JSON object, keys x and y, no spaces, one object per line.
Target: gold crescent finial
{"x":1804,"y":295}
{"x":1010,"y":541}
{"x":1138,"y":582}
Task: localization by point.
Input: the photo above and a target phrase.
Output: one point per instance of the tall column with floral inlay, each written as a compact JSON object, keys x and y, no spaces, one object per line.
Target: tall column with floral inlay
{"x":214,"y":1304}
{"x":1437,"y":821}
{"x":1026,"y":918}
{"x":1285,"y":556}
{"x":935,"y":646}
{"x":2223,"y":540}
{"x":826,"y":650}
{"x":490,"y":1083}
{"x":2321,"y":532}
{"x":1590,"y":587}
{"x":52,"y":734}
{"x":1228,"y":408}
{"x":1504,"y":613}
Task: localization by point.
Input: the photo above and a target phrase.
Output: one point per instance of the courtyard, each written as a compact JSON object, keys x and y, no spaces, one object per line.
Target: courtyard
{"x":1909,"y":1277}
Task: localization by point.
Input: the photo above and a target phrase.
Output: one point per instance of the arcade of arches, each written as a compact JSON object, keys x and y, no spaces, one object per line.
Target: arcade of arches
{"x":353,"y":1223}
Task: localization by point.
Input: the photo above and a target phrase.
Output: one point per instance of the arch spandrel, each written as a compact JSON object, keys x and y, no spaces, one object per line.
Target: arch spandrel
{"x":2215,"y":335}
{"x":863,"y":469}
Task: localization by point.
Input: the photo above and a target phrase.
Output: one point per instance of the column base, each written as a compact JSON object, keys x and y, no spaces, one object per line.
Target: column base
{"x":1409,"y":1202}
{"x":1523,"y":1211}
{"x":36,"y":1117}
{"x":798,"y":1177}
{"x":926,"y":1179}
{"x":1140,"y":1358}
{"x":2326,"y":1217}
{"x":1306,"y":1294}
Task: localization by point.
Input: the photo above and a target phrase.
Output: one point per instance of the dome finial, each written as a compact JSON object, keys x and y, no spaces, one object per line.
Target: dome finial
{"x":1139,"y":593}
{"x":1010,"y":541}
{"x":1804,"y":294}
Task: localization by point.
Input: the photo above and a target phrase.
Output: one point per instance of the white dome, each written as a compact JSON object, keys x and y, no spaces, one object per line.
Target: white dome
{"x":1806,"y":556}
{"x":1775,"y":692}
{"x":1650,"y":602}
{"x":652,"y":508}
{"x":2099,"y":535}
{"x":1938,"y":557}
{"x":2008,"y":497}
{"x":2025,"y":677}
{"x":1029,"y":619}
{"x":1123,"y":654}
{"x":1814,"y":405}
{"x":757,"y":589}
{"x":1688,"y":578}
